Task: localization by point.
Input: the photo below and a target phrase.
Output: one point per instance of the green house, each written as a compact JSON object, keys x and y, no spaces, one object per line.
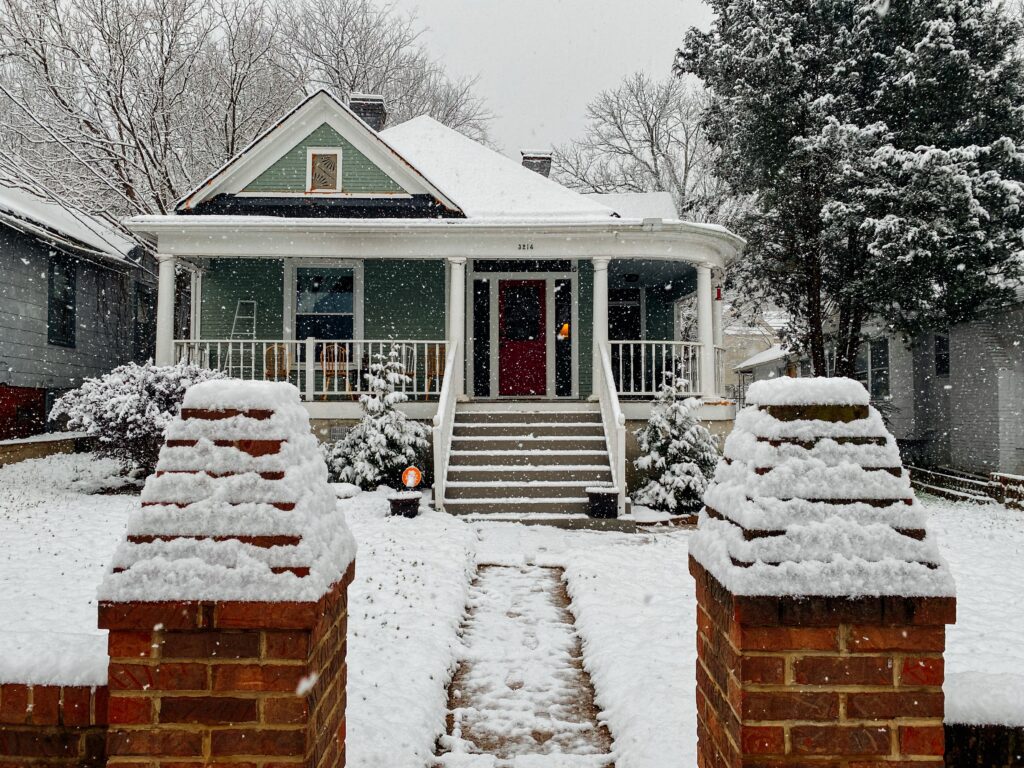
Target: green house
{"x":510,"y":299}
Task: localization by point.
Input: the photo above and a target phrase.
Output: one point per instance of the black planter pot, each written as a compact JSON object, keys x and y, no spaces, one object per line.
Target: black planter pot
{"x":405,"y":504}
{"x":604,"y":503}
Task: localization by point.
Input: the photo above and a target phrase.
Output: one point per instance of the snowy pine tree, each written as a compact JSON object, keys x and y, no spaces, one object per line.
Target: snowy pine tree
{"x":883,"y":144}
{"x":384,"y":442}
{"x":677,"y":453}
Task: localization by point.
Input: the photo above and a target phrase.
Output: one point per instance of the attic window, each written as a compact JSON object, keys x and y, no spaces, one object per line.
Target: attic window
{"x":324,"y":171}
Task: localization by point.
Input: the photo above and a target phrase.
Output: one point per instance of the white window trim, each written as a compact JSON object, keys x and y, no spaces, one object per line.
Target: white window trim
{"x":310,"y":151}
{"x":291,"y":265}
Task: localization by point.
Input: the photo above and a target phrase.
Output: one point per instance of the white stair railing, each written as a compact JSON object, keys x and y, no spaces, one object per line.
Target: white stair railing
{"x":614,"y":421}
{"x":444,"y":420}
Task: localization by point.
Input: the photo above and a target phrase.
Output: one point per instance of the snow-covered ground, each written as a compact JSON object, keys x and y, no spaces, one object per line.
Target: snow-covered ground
{"x":632,"y":598}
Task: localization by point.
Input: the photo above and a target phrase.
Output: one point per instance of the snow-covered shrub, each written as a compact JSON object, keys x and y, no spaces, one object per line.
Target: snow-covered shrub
{"x":127,"y":409}
{"x":677,"y":454}
{"x":384,"y":442}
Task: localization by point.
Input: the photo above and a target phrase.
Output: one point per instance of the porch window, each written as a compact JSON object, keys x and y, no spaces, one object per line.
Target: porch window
{"x":60,"y":303}
{"x":324,"y":303}
{"x":942,"y":355}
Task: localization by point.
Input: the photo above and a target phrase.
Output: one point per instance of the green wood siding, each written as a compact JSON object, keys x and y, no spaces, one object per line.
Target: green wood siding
{"x":659,"y":301}
{"x":358,"y":173}
{"x":404,"y":299}
{"x":227,"y":281}
{"x":585,"y":273}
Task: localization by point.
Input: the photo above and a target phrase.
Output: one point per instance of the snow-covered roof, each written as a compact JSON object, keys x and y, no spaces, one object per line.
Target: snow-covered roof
{"x":484,"y":183}
{"x":60,"y":223}
{"x":770,"y":355}
{"x":638,"y":205}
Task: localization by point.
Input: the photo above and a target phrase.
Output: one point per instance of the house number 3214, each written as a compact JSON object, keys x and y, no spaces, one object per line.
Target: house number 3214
{"x":525,"y":247}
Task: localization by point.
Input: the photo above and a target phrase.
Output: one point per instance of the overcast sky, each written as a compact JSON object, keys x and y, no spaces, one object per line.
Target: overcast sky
{"x":541,"y":61}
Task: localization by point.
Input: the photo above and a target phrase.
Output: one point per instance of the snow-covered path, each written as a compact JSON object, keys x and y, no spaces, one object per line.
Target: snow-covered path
{"x":520,"y":692}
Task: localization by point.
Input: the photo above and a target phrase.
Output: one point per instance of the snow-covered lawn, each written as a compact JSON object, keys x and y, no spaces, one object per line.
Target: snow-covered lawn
{"x":632,"y":598}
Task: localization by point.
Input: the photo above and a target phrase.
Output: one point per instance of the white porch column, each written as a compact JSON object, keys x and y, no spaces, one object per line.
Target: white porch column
{"x":165,"y":310}
{"x":457,"y":314}
{"x":705,"y":332}
{"x":716,"y":311}
{"x":600,"y":304}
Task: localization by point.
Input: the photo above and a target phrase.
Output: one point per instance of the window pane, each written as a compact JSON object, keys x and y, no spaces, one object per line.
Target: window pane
{"x":323,"y":326}
{"x":61,"y":302}
{"x":323,"y":290}
{"x":879,"y":369}
{"x":481,"y":338}
{"x":563,"y":338}
{"x":521,"y":305}
{"x":942,"y":355}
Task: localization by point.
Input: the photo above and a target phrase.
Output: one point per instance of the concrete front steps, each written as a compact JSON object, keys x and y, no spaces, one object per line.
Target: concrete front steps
{"x":525,"y":458}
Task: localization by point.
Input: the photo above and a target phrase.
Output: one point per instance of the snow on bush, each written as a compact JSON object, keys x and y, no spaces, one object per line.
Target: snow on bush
{"x":385,"y":441}
{"x":678,"y":454}
{"x":128,"y":409}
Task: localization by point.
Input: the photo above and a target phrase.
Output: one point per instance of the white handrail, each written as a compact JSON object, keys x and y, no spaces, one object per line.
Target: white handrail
{"x":614,"y":421}
{"x":444,"y":420}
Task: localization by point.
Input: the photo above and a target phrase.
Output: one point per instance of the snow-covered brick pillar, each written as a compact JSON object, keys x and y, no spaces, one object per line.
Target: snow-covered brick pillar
{"x":822,"y":600}
{"x":226,"y":605}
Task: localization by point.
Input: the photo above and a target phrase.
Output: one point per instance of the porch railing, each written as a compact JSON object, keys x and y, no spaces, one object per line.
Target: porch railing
{"x":326,"y":369}
{"x":614,"y":421}
{"x":638,"y":367}
{"x":444,"y":421}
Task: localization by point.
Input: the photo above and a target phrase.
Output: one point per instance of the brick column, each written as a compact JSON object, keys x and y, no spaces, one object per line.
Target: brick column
{"x":819,"y":681}
{"x":208,"y":682}
{"x":821,"y":599}
{"x":226,"y":604}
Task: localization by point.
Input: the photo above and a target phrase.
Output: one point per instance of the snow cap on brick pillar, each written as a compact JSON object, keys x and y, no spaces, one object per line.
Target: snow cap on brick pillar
{"x":822,"y":598}
{"x":226,"y":604}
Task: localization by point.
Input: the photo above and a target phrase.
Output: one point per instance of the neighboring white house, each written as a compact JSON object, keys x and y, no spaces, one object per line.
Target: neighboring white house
{"x":952,"y":400}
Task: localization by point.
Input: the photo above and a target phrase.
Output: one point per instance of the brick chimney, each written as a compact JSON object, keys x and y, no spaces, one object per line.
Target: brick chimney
{"x":371,"y":108}
{"x":537,"y":161}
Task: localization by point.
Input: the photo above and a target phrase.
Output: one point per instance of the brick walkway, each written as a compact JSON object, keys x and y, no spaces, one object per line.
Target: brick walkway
{"x":521,"y":695}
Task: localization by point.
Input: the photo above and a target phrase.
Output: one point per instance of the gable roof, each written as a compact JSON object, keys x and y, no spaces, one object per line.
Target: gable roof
{"x":320,"y":108}
{"x":485,"y":184}
{"x":61,"y":224}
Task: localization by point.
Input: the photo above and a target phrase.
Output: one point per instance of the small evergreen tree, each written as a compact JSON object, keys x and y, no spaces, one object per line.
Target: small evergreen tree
{"x":384,"y":442}
{"x":678,"y":454}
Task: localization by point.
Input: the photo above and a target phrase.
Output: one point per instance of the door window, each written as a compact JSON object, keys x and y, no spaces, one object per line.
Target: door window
{"x":522,"y":313}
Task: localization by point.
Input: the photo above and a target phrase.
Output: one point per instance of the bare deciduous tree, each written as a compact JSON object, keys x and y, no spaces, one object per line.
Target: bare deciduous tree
{"x":351,"y":46}
{"x":646,"y":136}
{"x":121,"y":106}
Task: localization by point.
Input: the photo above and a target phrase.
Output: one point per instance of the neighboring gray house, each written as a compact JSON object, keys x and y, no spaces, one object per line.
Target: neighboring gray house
{"x":76,"y":300}
{"x":953,"y":400}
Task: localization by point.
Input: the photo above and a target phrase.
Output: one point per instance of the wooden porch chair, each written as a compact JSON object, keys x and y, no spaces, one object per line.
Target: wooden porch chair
{"x":434,"y":368}
{"x":334,"y":363}
{"x":277,"y":362}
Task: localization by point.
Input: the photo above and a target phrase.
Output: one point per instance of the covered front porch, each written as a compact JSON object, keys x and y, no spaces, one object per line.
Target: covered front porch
{"x":515,"y":330}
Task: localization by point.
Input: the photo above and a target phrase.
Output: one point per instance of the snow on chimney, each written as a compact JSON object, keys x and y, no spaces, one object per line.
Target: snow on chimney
{"x":370,"y":107}
{"x":537,"y":161}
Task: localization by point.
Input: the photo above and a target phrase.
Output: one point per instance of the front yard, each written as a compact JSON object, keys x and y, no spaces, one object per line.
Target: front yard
{"x":632,"y":598}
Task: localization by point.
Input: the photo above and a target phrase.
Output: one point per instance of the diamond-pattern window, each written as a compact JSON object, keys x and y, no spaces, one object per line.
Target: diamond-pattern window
{"x":324,"y":172}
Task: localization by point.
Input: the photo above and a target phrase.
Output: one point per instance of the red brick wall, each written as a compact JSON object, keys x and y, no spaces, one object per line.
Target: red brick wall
{"x":818,"y":681}
{"x":198,"y":683}
{"x":52,"y":725}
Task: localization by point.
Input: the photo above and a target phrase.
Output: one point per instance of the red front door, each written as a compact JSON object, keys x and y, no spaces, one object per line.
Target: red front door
{"x":522,"y":344}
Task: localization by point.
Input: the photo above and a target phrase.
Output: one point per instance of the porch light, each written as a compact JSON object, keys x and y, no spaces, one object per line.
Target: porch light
{"x":563,"y":332}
